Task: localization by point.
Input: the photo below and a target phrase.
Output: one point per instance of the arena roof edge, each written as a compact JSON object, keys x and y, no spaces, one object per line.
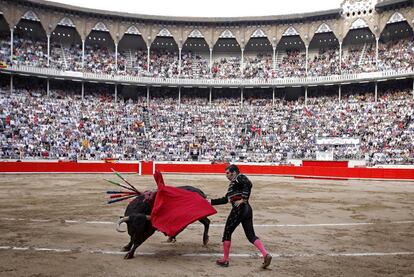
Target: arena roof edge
{"x":333,"y":13}
{"x":391,"y":4}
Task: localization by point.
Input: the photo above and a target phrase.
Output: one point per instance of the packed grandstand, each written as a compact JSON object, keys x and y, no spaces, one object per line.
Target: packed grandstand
{"x":82,"y":84}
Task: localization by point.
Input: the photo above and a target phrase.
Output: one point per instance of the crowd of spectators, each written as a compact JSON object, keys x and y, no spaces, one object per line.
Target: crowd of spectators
{"x":132,"y":62}
{"x":324,"y":63}
{"x":226,"y":67}
{"x":359,"y":58}
{"x":194,"y":65}
{"x":258,"y":66}
{"x":396,"y":54}
{"x":392,"y":55}
{"x":63,"y":126}
{"x":293,"y":64}
{"x":29,"y":52}
{"x":5,"y":51}
{"x":164,"y":63}
{"x":67,"y":58}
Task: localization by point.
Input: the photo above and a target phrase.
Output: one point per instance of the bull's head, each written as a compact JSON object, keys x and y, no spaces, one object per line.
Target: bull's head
{"x":120,"y":221}
{"x":138,"y":219}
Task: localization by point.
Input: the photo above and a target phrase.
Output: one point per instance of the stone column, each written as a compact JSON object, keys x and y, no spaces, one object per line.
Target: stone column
{"x":11,"y":84}
{"x":48,"y":49}
{"x":11,"y":44}
{"x":179,"y":96}
{"x":148,"y":58}
{"x":48,"y":87}
{"x":339,"y":93}
{"x":241,"y":96}
{"x":116,"y":58}
{"x":148,"y":95}
{"x":306,"y":62}
{"x":179,"y":61}
{"x":83,"y":54}
{"x":306,"y":96}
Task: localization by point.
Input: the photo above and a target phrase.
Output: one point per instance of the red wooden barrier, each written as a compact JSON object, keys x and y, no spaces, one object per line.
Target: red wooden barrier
{"x":188,"y":168}
{"x":66,"y":167}
{"x":325,"y":163}
{"x":294,"y":171}
{"x":147,"y":168}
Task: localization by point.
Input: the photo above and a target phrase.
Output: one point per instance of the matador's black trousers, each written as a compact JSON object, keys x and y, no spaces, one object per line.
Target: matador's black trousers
{"x":244,"y":215}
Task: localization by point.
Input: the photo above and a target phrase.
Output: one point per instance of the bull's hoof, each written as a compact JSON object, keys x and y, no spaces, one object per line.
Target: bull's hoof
{"x":205,"y":240}
{"x":128,"y":256}
{"x":171,"y":240}
{"x":125,"y":249}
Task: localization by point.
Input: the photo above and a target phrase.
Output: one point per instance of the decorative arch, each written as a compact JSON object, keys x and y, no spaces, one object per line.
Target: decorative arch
{"x":291,"y":31}
{"x":164,"y":33}
{"x":196,"y":34}
{"x":227,"y":34}
{"x":358,"y":24}
{"x":396,"y":17}
{"x":30,"y":15}
{"x":258,"y":33}
{"x":66,"y":21}
{"x":100,"y":26}
{"x":132,"y":30}
{"x":323,"y":28}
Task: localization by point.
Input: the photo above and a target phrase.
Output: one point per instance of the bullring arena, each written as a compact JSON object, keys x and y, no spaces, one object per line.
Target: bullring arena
{"x":60,"y":225}
{"x":317,"y":109}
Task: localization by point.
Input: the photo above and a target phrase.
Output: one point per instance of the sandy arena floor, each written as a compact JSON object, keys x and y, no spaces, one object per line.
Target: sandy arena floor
{"x":60,"y":225}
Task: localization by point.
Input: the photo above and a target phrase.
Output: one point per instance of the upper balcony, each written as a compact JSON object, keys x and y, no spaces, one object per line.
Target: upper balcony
{"x":356,"y":44}
{"x":204,"y":82}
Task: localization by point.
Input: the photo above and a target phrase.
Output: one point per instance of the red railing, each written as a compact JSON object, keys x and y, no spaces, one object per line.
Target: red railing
{"x":320,"y":170}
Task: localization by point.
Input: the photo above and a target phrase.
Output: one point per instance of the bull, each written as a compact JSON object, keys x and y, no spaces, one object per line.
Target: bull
{"x":137,"y":217}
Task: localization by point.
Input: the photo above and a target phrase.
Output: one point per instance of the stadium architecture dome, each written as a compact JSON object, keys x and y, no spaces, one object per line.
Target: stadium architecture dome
{"x":361,"y":46}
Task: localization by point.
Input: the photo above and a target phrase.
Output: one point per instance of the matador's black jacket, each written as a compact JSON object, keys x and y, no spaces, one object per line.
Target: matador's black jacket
{"x":238,"y":189}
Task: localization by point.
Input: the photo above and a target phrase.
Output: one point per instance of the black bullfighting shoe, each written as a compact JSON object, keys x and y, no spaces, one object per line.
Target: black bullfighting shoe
{"x":222,"y":263}
{"x":267,"y":261}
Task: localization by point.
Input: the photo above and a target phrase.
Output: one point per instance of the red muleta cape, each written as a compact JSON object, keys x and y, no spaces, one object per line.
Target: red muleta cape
{"x":175,"y":208}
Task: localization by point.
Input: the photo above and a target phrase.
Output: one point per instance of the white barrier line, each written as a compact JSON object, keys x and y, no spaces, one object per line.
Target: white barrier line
{"x":403,"y":222}
{"x":52,"y":249}
{"x":121,"y":253}
{"x":108,"y":252}
{"x":222,"y":225}
{"x":369,"y":254}
{"x":8,"y":219}
{"x":306,"y":225}
{"x":72,"y":221}
{"x":20,"y":248}
{"x":240,"y":255}
{"x":323,"y":224}
{"x":100,"y":222}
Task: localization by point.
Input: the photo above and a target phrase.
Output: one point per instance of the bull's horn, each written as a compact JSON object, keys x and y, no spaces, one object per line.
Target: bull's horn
{"x":122,"y":220}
